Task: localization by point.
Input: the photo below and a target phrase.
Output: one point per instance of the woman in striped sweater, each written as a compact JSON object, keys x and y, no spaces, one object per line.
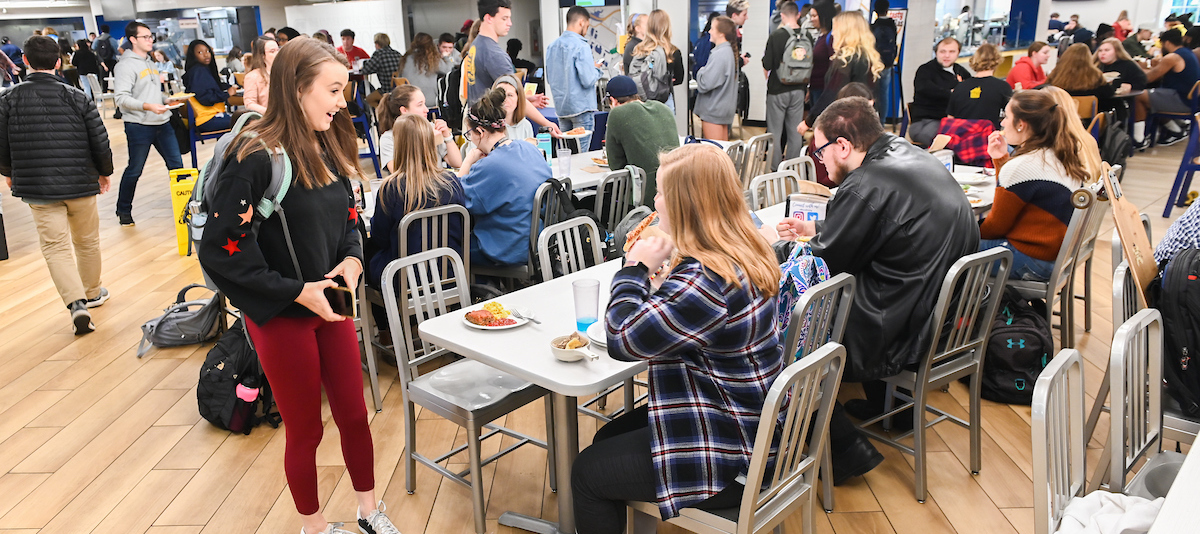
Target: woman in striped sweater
{"x":1033,"y":206}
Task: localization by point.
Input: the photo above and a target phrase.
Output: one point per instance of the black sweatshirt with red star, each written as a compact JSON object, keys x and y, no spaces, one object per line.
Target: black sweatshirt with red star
{"x":255,"y":271}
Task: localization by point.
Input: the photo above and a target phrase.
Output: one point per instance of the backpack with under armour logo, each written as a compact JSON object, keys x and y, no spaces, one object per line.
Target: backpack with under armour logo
{"x":796,"y":66}
{"x":1019,"y":348}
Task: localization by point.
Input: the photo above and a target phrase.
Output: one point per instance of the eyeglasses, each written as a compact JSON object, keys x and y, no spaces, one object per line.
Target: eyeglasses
{"x":148,"y":36}
{"x":817,"y":153}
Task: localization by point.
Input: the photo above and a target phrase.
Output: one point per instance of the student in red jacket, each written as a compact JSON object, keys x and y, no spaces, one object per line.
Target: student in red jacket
{"x":1027,"y":72}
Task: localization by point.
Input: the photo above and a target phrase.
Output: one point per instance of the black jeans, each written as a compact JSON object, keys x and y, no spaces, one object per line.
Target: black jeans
{"x":617,"y":468}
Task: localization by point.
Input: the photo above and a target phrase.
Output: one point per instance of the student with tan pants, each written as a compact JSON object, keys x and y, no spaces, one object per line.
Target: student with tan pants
{"x":55,"y":156}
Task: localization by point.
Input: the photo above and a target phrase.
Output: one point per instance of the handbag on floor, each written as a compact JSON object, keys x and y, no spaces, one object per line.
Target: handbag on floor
{"x":186,"y":322}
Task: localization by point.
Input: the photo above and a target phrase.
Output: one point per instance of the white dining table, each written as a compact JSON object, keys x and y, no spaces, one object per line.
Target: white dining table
{"x":1177,"y":514}
{"x":524,"y":352}
{"x":581,"y":179}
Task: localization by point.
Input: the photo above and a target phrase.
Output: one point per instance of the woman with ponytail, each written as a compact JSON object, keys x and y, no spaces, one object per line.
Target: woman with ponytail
{"x":499,"y":177}
{"x":410,"y":100}
{"x":1032,"y":207}
{"x":717,"y":81}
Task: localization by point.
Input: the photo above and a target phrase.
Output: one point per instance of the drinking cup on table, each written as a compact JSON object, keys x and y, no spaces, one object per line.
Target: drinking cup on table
{"x":587,"y":302}
{"x":564,"y":158}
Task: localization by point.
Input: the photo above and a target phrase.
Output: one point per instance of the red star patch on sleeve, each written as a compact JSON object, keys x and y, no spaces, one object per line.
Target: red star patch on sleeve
{"x":353,"y":215}
{"x":231,"y":246}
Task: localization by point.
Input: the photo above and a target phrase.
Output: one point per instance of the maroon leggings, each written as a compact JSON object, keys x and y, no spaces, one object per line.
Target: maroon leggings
{"x":299,"y":354}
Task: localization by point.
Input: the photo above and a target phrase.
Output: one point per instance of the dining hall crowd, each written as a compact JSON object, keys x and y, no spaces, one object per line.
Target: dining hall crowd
{"x":698,"y":299}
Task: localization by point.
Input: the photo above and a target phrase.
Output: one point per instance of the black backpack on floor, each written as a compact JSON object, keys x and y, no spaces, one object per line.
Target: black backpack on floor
{"x":1018,"y":349}
{"x":1176,"y":294}
{"x":233,"y":387}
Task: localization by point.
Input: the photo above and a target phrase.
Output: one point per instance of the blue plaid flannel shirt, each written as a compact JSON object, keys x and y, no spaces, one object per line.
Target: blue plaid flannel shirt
{"x":713,"y":351}
{"x":1184,"y":233}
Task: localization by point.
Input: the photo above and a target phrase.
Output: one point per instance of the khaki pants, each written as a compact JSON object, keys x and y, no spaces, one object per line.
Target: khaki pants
{"x":64,"y":225}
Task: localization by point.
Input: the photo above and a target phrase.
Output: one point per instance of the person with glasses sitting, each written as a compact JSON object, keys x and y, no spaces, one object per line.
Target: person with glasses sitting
{"x":499,"y":178}
{"x":897,"y":223}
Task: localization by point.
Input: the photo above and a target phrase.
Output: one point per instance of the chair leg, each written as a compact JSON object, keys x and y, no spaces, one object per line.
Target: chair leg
{"x":919,"y":401}
{"x":827,"y":477}
{"x":477,"y":504}
{"x":630,"y":394}
{"x":1087,"y":295}
{"x":1066,"y":300}
{"x":810,"y":522}
{"x":410,"y":441}
{"x":976,"y":421}
{"x":888,"y":402}
{"x":550,"y":444}
{"x":367,"y":327}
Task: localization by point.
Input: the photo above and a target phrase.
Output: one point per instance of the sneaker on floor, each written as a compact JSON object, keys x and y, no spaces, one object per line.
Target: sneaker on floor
{"x":126,"y":219}
{"x":1170,"y":138}
{"x":1142,"y":145}
{"x":81,"y":318}
{"x":99,"y":300}
{"x":334,"y":528}
{"x":378,"y":523}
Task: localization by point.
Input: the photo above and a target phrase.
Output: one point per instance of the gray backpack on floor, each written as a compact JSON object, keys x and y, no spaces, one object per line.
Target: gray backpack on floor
{"x":186,"y":322}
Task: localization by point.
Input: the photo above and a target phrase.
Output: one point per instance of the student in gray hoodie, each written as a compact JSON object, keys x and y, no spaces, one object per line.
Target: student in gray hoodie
{"x":146,"y":116}
{"x":717,"y":81}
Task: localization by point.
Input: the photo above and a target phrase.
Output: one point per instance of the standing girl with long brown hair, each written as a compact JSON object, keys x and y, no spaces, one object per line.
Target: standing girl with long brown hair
{"x":279,"y":282}
{"x":717,"y":81}
{"x":423,"y":64}
{"x":657,"y":45}
{"x":709,"y":335}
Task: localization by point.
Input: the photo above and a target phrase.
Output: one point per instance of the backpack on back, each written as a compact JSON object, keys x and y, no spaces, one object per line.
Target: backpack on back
{"x":104,"y":49}
{"x":1019,"y":348}
{"x":651,"y":75}
{"x":232,"y":385}
{"x":796,"y":66}
{"x":1177,"y":297}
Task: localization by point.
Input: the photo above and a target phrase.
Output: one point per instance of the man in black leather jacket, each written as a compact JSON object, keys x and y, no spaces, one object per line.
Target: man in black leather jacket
{"x":897,"y":223}
{"x":54,"y":152}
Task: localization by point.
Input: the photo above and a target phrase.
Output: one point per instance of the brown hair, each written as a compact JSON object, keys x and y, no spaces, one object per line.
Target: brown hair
{"x":1035,"y":47}
{"x":986,"y":58}
{"x":707,"y":217}
{"x":424,"y":52}
{"x":658,"y":33}
{"x":389,"y":106}
{"x":511,"y":81}
{"x":1089,"y":152}
{"x":1048,"y":129}
{"x":726,"y":26}
{"x":853,"y":119}
{"x":258,"y":54}
{"x":284,"y":125}
{"x":1075,"y":70}
{"x":488,"y":113}
{"x":417,"y":166}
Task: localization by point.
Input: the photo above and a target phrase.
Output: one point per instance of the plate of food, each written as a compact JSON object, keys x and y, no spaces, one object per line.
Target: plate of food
{"x":972,"y":178}
{"x":603,"y":162}
{"x":575,"y":133}
{"x":492,"y":316}
{"x":181,"y":96}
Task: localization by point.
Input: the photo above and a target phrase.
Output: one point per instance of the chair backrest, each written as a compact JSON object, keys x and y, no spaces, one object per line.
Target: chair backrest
{"x":772,"y":188}
{"x":240,"y":78}
{"x":1095,"y":219}
{"x":614,"y":197}
{"x":805,"y":389}
{"x":399,"y":80}
{"x":1087,"y":106}
{"x":1127,"y":300}
{"x":1064,"y":263}
{"x":1194,"y":96}
{"x":1057,"y":419}
{"x":94,"y":84}
{"x":819,"y":317}
{"x":434,"y":227}
{"x":804,"y":166}
{"x":962,"y":316}
{"x":423,"y":284}
{"x":1135,"y":378}
{"x":548,"y":210}
{"x":758,"y":157}
{"x":737,"y":153}
{"x":568,"y":243}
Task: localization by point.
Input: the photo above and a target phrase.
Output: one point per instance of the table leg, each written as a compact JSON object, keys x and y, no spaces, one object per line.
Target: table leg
{"x":566,"y":448}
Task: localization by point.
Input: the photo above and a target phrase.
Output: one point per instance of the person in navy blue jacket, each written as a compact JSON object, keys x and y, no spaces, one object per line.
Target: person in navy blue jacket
{"x":200,"y":77}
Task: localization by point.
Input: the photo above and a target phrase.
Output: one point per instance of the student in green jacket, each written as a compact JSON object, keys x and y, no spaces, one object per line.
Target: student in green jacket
{"x":638,"y":132}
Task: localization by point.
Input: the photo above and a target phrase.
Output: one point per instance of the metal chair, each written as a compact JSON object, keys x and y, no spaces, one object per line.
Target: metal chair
{"x":811,"y":384}
{"x":804,"y":166}
{"x":471,"y":403}
{"x":1117,"y":253}
{"x":1087,"y":249}
{"x":363,"y":119}
{"x":1193,"y":102}
{"x":1059,"y":289}
{"x":961,"y":324}
{"x":99,"y":95}
{"x":772,"y":188}
{"x":547,"y":210}
{"x":820,"y":317}
{"x":1187,"y":167}
{"x":1135,"y":382}
{"x":757,"y":158}
{"x":195,"y":135}
{"x":1087,"y":106}
{"x":737,"y":152}
{"x":568,"y":243}
{"x":614,"y":198}
{"x":1058,"y":442}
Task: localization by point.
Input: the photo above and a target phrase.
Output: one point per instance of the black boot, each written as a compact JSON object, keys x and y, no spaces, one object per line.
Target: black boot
{"x":851,"y":452}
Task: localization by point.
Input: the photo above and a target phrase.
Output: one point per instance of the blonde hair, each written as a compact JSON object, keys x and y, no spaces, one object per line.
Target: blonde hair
{"x":658,"y":33}
{"x":1117,"y":47}
{"x":417,"y":166}
{"x":1075,"y":70}
{"x":852,"y":38}
{"x":1089,"y":152}
{"x":986,"y":58}
{"x":707,"y":217}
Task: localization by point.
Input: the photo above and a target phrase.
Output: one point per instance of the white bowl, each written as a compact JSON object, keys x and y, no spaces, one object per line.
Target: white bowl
{"x":568,"y":355}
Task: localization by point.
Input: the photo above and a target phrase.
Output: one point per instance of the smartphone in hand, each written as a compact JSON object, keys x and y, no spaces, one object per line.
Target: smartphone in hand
{"x":342,"y":301}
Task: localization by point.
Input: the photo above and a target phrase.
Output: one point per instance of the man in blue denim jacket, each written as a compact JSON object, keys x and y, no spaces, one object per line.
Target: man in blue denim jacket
{"x":572,"y":75}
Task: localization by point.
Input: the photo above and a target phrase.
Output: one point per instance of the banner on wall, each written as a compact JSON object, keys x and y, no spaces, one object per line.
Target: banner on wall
{"x":899,"y":15}
{"x":605,"y":27}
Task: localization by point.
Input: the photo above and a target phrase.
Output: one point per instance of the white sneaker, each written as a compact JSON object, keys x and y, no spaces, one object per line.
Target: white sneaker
{"x":334,"y":528}
{"x":378,"y":523}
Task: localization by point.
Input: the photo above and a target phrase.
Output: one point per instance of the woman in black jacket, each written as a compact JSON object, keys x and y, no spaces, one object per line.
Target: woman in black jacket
{"x":200,"y":77}
{"x":301,"y":343}
{"x":86,"y":62}
{"x":854,"y":60}
{"x":1111,"y":57}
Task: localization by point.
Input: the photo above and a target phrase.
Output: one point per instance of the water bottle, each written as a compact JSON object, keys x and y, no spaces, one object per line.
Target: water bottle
{"x":543,"y":142}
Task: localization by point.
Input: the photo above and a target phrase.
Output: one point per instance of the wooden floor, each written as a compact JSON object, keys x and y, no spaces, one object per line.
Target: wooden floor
{"x":92,"y":439}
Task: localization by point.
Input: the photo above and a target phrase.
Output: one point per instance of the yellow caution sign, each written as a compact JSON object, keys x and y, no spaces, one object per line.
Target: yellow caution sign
{"x":182,"y":182}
